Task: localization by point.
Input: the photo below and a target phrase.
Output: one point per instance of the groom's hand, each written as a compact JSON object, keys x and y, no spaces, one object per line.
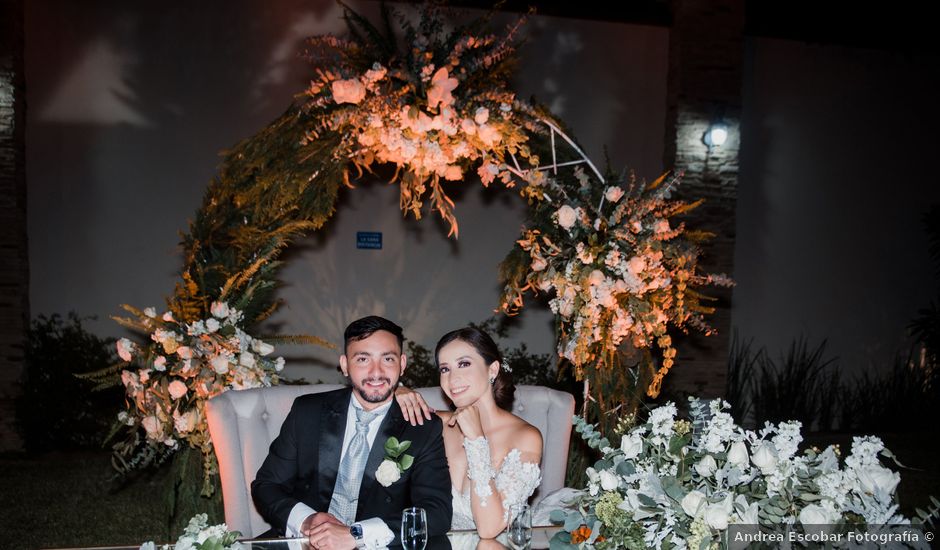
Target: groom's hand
{"x":315,"y":520}
{"x":331,"y":536}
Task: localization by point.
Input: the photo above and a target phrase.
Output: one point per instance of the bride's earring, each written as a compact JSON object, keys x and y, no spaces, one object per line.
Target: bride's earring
{"x":492,"y":380}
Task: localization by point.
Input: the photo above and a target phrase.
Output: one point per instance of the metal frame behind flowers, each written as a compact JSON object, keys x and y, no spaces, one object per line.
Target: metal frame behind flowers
{"x":436,"y":106}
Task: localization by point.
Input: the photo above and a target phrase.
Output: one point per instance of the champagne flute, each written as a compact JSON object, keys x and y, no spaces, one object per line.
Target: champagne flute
{"x":520,"y":526}
{"x":414,"y":528}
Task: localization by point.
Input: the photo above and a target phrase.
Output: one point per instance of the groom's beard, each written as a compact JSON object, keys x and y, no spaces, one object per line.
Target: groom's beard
{"x":373,"y":396}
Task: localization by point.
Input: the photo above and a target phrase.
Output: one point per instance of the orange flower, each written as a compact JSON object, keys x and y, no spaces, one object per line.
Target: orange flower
{"x":580,"y":534}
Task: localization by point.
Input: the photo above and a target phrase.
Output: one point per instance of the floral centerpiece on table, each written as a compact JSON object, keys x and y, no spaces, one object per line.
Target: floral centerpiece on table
{"x":199,"y":535}
{"x":620,"y":268}
{"x":169,"y":381}
{"x":673,"y":483}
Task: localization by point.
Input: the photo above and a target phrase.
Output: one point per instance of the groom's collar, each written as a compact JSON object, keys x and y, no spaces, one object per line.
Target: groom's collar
{"x":378,"y":411}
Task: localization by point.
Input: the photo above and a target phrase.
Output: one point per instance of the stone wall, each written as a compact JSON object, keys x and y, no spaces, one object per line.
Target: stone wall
{"x":14,"y":262}
{"x":706,"y":50}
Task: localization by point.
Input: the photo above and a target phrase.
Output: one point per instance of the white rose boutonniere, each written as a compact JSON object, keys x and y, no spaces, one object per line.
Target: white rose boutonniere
{"x":396,"y":461}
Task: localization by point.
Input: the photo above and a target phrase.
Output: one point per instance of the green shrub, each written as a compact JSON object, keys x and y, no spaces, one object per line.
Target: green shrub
{"x":55,"y":410}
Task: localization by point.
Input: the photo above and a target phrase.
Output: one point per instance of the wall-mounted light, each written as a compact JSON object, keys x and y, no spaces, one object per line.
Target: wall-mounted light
{"x":715,"y":135}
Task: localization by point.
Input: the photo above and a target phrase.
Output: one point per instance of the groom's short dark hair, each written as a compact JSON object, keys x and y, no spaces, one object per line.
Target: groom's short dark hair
{"x":360,"y":329}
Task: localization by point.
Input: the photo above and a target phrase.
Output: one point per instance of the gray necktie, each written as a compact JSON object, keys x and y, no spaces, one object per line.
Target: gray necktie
{"x":346,"y":493}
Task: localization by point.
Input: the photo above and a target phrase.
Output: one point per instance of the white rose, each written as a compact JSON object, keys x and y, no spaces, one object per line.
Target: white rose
{"x":387,"y":473}
{"x":125,"y":349}
{"x":219,"y":310}
{"x":707,"y":466}
{"x":481,"y":115}
{"x":177,"y":389}
{"x":747,"y":512}
{"x":613,"y":194}
{"x":262,"y":348}
{"x":737,"y":455}
{"x":212,"y":325}
{"x":717,"y":514}
{"x":279,"y":364}
{"x":129,"y":379}
{"x":159,"y":363}
{"x":247,"y":359}
{"x":609,"y":480}
{"x":692,"y":503}
{"x":539,"y":263}
{"x":816,"y":514}
{"x":348,"y":91}
{"x":636,"y":265}
{"x":874,"y":479}
{"x":153,"y":427}
{"x":184,"y":423}
{"x":765,"y":457}
{"x":150,"y":312}
{"x":567,"y":216}
{"x":219,"y":364}
{"x":631,"y":445}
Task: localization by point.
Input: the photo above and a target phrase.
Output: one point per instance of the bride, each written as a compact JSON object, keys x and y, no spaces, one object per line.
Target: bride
{"x":493,"y":454}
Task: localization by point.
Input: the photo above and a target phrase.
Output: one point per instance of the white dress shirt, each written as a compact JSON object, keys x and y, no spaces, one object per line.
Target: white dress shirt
{"x":375,"y":533}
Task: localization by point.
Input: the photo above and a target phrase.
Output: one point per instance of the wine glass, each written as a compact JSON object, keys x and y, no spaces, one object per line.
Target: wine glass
{"x":519,"y":531}
{"x":414,"y":528}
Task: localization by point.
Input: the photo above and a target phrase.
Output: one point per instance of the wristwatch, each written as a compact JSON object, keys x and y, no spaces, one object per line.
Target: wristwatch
{"x":356,"y":531}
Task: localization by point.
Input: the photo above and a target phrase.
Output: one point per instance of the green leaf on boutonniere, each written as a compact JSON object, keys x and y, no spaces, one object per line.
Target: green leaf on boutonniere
{"x":406,"y":462}
{"x":395,"y":452}
{"x":393,"y":447}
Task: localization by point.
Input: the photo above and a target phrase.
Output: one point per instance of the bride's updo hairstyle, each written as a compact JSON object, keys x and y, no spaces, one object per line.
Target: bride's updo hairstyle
{"x":503,"y":388}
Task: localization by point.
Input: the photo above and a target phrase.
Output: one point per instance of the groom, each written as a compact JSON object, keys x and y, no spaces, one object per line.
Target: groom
{"x":319,"y":478}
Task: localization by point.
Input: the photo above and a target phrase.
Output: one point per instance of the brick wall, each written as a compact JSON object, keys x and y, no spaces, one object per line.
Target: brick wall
{"x":706,"y":52}
{"x":14,"y":262}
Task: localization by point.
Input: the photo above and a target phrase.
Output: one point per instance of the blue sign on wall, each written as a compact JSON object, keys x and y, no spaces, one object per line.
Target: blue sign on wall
{"x":369,"y":239}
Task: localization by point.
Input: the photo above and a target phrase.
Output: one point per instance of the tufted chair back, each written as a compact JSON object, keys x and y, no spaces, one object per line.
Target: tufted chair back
{"x":243,"y":424}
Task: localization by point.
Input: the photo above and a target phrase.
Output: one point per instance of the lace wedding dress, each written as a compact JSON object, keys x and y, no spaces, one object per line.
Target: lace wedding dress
{"x":515,"y":481}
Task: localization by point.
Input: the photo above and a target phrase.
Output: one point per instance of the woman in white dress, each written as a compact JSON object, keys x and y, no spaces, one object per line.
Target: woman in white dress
{"x":493,"y":454}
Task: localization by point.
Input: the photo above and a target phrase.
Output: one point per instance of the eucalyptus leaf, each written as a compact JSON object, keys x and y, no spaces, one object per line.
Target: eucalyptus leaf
{"x":561,"y":541}
{"x":573,"y":521}
{"x":626,"y":468}
{"x":595,"y":532}
{"x":557,"y":516}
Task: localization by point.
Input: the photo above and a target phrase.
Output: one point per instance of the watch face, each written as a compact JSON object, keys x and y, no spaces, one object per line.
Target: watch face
{"x":355,"y":530}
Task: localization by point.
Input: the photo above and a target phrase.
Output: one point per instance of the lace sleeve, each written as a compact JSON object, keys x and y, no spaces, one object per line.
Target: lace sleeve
{"x":517,"y":480}
{"x":479,"y":469}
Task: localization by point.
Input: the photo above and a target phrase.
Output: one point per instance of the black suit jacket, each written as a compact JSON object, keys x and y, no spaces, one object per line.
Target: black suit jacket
{"x":303,"y":462}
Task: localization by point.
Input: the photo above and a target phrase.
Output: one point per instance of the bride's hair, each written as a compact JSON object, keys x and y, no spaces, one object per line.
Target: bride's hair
{"x":503,"y":387}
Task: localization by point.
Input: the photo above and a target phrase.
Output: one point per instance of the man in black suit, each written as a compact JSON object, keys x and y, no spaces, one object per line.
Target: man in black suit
{"x":313,"y":482}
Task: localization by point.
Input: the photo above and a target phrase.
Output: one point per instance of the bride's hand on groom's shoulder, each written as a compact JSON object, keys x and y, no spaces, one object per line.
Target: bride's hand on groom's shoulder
{"x":413,"y":407}
{"x":468,"y":419}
